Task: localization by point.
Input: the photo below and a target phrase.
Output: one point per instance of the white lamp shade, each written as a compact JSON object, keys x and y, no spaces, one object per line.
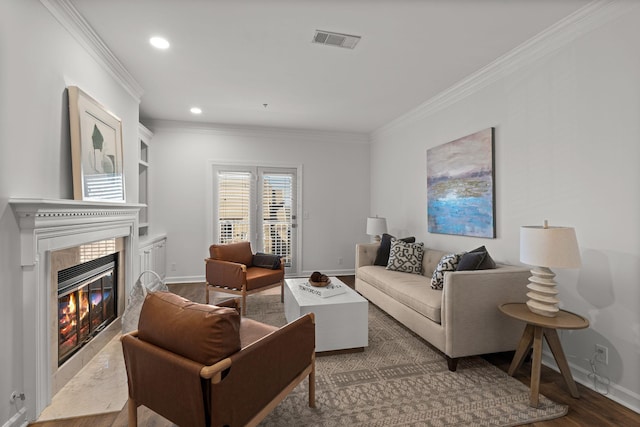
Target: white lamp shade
{"x":376,"y":226}
{"x":549,"y":247}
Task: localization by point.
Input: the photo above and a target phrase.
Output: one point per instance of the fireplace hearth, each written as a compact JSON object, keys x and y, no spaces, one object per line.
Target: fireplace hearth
{"x":87,"y":295}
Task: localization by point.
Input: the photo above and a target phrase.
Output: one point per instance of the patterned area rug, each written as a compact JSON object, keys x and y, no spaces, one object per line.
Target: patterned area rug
{"x":400,"y":381}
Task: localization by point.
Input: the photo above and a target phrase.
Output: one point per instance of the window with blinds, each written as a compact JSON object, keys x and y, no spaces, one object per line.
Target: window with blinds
{"x":257,"y":204}
{"x":234,"y":206}
{"x":277,"y":217}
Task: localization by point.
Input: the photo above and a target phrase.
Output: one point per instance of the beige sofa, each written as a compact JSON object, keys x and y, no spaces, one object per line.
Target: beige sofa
{"x":462,"y":319}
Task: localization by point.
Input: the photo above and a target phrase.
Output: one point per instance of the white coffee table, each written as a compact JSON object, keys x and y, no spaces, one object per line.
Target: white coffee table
{"x":341,"y":320}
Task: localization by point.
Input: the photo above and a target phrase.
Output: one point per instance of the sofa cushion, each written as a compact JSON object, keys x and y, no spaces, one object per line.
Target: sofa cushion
{"x":233,"y":252}
{"x":430,"y":261}
{"x":382,"y":256}
{"x":203,"y":333}
{"x":412,"y":290}
{"x":448,"y":262}
{"x":405,"y":257}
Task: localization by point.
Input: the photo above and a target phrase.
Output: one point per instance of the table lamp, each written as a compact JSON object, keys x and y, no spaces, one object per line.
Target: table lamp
{"x":376,"y":227}
{"x":544,"y":247}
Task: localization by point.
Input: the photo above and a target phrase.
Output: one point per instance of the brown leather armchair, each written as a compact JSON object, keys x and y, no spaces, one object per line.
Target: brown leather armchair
{"x":203,"y":365}
{"x":231,"y":269}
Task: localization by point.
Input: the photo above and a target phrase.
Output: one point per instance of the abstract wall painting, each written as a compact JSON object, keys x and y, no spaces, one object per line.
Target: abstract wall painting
{"x":460,"y":186}
{"x":96,"y":150}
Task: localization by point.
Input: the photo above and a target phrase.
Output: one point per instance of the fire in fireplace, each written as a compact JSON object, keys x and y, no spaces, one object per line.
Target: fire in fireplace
{"x":86,"y":303}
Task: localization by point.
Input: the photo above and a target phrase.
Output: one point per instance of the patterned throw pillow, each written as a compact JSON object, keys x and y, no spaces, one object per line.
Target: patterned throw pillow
{"x":447,"y":263}
{"x":405,"y":257}
{"x":382,"y":255}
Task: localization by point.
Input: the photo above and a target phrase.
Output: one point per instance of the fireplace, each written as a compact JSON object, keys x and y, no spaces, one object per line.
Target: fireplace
{"x":54,"y":236}
{"x":87,"y":299}
{"x":87,"y":295}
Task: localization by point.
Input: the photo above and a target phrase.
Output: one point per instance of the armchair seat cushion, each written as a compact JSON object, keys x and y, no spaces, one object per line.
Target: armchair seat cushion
{"x":203,"y":333}
{"x":258,"y":277}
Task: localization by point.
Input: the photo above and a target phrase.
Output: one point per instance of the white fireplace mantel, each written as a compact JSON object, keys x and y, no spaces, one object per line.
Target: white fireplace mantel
{"x":48,"y":225}
{"x":45,"y":216}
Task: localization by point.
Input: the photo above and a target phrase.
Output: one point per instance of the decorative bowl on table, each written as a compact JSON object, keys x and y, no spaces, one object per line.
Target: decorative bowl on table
{"x":319,"y":280}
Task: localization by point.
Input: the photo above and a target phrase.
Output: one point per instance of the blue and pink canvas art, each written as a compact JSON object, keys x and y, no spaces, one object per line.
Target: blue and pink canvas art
{"x":460,"y":195}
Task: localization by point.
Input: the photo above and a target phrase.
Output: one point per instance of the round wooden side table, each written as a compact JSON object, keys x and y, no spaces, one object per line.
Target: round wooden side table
{"x":537,"y":327}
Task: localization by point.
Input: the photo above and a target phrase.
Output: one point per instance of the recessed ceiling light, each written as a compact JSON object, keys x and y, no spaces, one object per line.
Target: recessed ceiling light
{"x":159,"y":42}
{"x":196,"y":110}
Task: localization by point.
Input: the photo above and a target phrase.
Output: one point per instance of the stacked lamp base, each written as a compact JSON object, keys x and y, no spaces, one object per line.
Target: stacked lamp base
{"x":542,"y":292}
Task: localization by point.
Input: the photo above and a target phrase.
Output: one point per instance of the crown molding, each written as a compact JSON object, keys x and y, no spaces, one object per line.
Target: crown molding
{"x":69,"y":17}
{"x":257,"y":131}
{"x":584,"y":20}
{"x":144,"y":132}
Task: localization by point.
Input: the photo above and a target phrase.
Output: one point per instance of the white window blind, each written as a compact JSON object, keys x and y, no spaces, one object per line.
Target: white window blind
{"x":277,"y":219}
{"x":234,"y":206}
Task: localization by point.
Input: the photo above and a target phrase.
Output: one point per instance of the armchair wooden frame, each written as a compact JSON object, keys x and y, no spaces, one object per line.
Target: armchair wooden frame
{"x":240,"y":290}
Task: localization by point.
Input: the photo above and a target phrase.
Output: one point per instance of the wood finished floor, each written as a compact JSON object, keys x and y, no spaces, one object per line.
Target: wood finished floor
{"x":592,"y":409}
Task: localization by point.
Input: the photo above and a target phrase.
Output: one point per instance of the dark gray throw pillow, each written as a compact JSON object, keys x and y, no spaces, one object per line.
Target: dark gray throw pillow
{"x":266,"y":261}
{"x":477,"y":259}
{"x":382,"y":256}
{"x":471,"y":261}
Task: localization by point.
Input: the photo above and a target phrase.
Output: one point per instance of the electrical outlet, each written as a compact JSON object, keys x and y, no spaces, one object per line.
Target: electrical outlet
{"x":340,"y":260}
{"x":602,"y":354}
{"x":173,"y":266}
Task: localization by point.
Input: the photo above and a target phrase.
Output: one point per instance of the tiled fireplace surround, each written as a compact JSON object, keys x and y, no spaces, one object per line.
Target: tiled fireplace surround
{"x":49,"y":230}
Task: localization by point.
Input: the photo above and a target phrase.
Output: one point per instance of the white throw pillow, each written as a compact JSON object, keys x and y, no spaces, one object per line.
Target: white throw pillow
{"x":447,"y":263}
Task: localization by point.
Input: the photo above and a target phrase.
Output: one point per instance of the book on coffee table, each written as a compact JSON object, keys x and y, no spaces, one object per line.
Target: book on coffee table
{"x":325,"y":291}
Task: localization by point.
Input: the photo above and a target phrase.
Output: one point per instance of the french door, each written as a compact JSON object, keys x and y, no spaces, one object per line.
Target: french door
{"x":259,"y":205}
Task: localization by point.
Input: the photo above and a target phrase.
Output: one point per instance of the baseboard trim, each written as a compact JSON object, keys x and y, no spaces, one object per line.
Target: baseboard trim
{"x":184,"y":279}
{"x":617,"y":393}
{"x":19,"y":419}
{"x":201,"y":279}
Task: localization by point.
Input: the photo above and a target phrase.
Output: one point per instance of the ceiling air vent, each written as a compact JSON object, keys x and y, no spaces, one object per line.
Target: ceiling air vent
{"x":336,"y":39}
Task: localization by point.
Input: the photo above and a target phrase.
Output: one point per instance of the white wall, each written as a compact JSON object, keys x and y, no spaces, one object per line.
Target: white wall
{"x":38,"y":60}
{"x":335,"y":189}
{"x":567,"y":149}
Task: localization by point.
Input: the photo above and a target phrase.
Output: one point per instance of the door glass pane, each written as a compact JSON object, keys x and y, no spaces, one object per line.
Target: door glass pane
{"x":234,"y":192}
{"x":277,"y":220}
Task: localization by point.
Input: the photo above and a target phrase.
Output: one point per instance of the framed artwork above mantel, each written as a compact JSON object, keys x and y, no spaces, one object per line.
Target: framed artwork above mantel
{"x":460,"y":186}
{"x":96,"y":150}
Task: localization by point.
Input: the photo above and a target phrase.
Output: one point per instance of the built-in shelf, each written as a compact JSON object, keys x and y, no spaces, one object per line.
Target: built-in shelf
{"x":144,"y":137}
